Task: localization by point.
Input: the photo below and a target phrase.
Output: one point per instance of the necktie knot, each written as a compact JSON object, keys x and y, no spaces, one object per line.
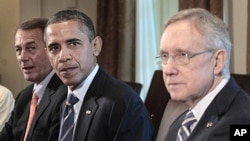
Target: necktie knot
{"x":185,"y":129}
{"x":189,"y":119}
{"x":71,"y":100}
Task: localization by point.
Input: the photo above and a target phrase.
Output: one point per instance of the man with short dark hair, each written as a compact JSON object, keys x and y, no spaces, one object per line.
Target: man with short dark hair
{"x":98,"y":107}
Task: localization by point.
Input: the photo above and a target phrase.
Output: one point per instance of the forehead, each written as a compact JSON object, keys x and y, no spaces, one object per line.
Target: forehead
{"x":66,"y":29}
{"x":180,"y":35}
{"x":31,"y":35}
{"x":63,"y":27}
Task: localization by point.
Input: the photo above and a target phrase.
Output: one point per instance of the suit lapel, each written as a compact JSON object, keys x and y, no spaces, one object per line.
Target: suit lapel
{"x":85,"y":117}
{"x":46,"y":100}
{"x":89,"y":106}
{"x":215,"y":110}
{"x":44,"y":103}
{"x":174,"y":127}
{"x":25,"y":99}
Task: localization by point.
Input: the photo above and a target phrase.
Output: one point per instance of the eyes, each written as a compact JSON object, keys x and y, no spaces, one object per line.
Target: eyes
{"x":55,"y":47}
{"x":28,"y":48}
{"x":180,"y":54}
{"x":180,"y":58}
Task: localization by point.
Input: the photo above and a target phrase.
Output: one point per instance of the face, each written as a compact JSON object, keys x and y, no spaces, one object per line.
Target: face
{"x":71,"y":53}
{"x":31,"y":54}
{"x":191,"y":81}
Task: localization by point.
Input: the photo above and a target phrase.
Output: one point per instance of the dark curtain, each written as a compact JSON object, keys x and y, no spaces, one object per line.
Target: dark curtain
{"x":214,"y":6}
{"x":116,"y":25}
{"x":248,"y":36}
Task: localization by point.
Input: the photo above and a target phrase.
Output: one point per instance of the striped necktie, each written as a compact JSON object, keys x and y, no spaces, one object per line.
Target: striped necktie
{"x":67,"y":127}
{"x":185,"y":130}
{"x":33,"y":105}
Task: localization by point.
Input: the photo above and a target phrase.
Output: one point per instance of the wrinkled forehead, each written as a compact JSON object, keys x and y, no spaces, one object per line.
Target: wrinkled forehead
{"x":31,"y":35}
{"x":65,"y":26}
{"x":180,"y":36}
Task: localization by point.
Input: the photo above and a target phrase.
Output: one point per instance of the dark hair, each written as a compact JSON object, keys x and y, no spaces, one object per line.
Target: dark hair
{"x":84,"y":21}
{"x":33,"y":23}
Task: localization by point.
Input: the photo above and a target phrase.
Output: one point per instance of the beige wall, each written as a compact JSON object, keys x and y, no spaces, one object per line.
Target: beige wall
{"x":238,"y":28}
{"x":13,"y":12}
{"x":9,"y":15}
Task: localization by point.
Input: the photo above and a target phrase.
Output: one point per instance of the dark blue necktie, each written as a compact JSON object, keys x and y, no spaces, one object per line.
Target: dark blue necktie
{"x":185,"y":130}
{"x":67,"y":127}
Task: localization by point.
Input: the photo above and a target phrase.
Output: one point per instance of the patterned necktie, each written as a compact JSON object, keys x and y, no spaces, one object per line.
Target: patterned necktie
{"x":33,"y":105}
{"x":67,"y":128}
{"x":185,"y":130}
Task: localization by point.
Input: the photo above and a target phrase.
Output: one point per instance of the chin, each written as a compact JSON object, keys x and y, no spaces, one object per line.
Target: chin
{"x":176,"y":97}
{"x":68,"y":82}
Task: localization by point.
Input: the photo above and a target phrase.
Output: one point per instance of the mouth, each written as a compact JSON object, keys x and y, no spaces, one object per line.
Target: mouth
{"x":173,"y":85}
{"x":28,"y":68}
{"x":67,"y":69}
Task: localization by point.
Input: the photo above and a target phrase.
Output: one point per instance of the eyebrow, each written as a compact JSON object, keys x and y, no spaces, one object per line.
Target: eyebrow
{"x":31,"y":42}
{"x":51,"y":44}
{"x":175,"y":51}
{"x":28,"y":43}
{"x":72,"y":40}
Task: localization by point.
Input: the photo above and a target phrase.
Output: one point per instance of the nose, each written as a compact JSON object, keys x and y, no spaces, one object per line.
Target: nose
{"x":169,"y":68}
{"x":23,"y":56}
{"x":64,"y":55}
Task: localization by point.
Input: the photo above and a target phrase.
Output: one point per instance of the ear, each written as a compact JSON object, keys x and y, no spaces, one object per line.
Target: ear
{"x":220,"y":57}
{"x":97,"y":45}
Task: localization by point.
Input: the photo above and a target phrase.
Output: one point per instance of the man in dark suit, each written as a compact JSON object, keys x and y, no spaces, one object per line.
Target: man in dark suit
{"x":195,"y":50}
{"x":48,"y":89}
{"x":105,"y":108}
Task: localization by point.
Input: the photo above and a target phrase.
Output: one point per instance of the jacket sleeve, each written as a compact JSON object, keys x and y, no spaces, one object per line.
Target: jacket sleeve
{"x":136,"y":124}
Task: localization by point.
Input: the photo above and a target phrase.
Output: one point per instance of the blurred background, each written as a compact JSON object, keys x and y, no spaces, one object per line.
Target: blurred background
{"x":130,"y":30}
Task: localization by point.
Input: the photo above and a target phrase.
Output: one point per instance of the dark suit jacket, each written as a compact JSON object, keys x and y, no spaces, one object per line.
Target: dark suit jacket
{"x":112,"y":111}
{"x":230,"y":106}
{"x":46,"y":122}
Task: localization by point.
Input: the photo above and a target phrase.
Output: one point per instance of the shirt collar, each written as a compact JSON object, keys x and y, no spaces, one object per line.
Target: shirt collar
{"x":82,"y":88}
{"x":202,"y":105}
{"x":40,"y":87}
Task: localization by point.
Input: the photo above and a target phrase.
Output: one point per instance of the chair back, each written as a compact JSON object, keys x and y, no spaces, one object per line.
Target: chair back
{"x":157,"y":99}
{"x":136,"y":86}
{"x":243,"y":80}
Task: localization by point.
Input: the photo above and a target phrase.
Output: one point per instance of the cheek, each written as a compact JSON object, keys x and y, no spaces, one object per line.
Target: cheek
{"x":53,"y":61}
{"x":83,"y":56}
{"x":200,"y":76}
{"x":52,"y":58}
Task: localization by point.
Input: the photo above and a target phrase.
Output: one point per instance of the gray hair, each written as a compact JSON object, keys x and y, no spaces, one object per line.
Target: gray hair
{"x":214,"y":31}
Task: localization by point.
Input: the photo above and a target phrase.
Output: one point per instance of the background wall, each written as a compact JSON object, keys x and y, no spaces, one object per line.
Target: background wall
{"x":14,"y":12}
{"x":238,"y":26}
{"x":9,"y":15}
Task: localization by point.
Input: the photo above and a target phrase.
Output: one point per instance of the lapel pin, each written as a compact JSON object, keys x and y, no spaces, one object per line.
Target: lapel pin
{"x":209,"y":124}
{"x":88,"y":112}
